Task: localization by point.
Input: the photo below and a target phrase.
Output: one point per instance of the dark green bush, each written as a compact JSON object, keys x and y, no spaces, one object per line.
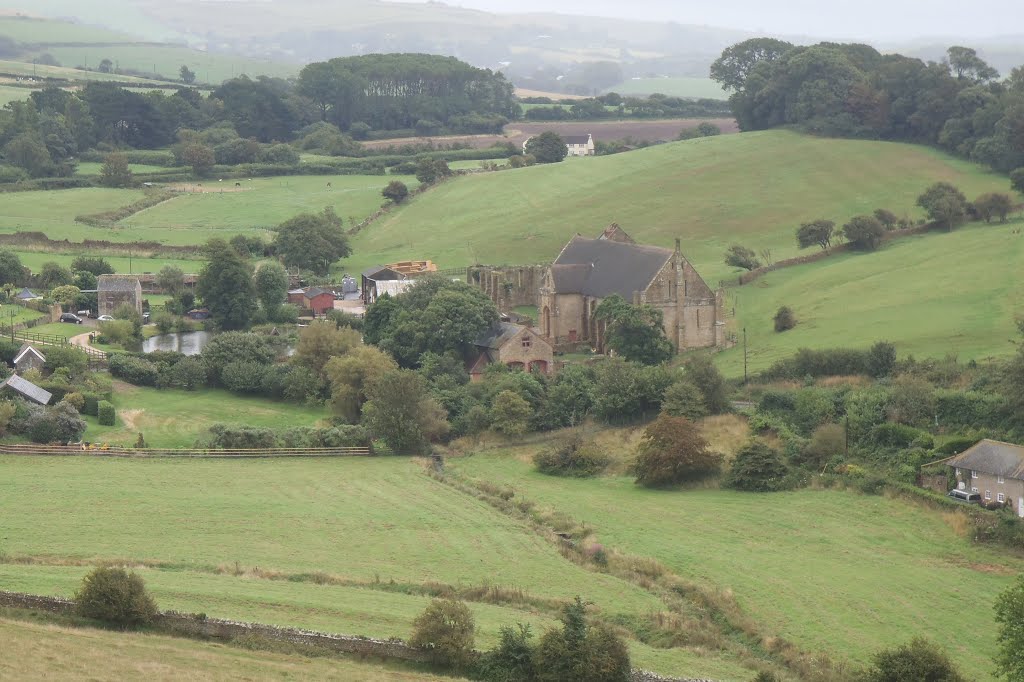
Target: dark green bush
{"x":115,"y":596}
{"x":757,"y":467}
{"x":106,"y":413}
{"x":894,"y":436}
{"x":92,"y":404}
{"x":133,"y":369}
{"x":445,"y":631}
{"x":511,"y":660}
{"x":573,"y":456}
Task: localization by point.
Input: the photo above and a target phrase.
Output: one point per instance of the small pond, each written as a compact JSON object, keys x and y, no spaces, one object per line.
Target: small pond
{"x":189,"y":343}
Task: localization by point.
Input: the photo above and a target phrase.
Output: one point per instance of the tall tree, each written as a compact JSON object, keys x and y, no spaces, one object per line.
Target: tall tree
{"x":964,"y":62}
{"x":548,"y":147}
{"x":312,"y":241}
{"x":944,"y":204}
{"x":636,"y":332}
{"x":400,"y":411}
{"x":817,"y":232}
{"x":187,"y":75}
{"x":115,"y":171}
{"x":225,"y":286}
{"x":1010,"y":617}
{"x":271,"y":283}
{"x":674,"y":451}
{"x":864,"y":232}
{"x":736,"y":62}
{"x":11,"y":271}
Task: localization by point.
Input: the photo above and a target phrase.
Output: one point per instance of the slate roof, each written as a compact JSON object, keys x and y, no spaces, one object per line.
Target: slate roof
{"x":498,"y":335}
{"x":576,"y":139}
{"x":600,"y":268}
{"x":27,"y":389}
{"x":117,"y":283}
{"x":992,"y":457}
{"x":378,"y":270}
{"x":26,"y":295}
{"x":314,"y":292}
{"x":27,"y":348}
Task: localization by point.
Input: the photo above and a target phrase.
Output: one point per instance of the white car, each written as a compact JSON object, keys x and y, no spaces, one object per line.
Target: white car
{"x":105,"y":318}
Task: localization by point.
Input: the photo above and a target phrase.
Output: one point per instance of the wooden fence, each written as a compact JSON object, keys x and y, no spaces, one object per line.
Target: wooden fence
{"x":97,"y":358}
{"x":143,"y":453}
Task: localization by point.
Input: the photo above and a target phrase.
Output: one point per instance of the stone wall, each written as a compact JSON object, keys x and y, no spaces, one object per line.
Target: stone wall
{"x":510,"y":286}
{"x":201,"y":627}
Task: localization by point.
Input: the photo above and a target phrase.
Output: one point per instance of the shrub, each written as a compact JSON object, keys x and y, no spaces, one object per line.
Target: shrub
{"x":881,"y":359}
{"x":581,"y":653}
{"x":74,"y":360}
{"x":918,"y":661}
{"x":896,"y":436}
{"x":573,"y":456}
{"x":115,"y":596}
{"x":784,"y":319}
{"x":106,"y":413}
{"x":396,"y":191}
{"x":189,"y":374}
{"x":134,"y":370}
{"x":91,"y":404}
{"x":757,"y":468}
{"x":864,"y":232}
{"x":741,"y":257}
{"x":512,"y":659}
{"x":827,"y":441}
{"x":684,"y":399}
{"x":445,"y":631}
{"x":674,"y":451}
{"x":243,"y":377}
{"x":76,"y":400}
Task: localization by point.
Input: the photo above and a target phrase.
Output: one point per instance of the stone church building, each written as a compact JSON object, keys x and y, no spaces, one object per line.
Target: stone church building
{"x":589,"y":270}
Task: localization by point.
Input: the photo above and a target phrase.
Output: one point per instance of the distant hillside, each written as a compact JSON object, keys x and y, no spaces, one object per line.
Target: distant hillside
{"x":753,"y":189}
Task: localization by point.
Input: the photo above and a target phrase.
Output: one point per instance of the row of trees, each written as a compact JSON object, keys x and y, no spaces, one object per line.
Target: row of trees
{"x":853,"y":90}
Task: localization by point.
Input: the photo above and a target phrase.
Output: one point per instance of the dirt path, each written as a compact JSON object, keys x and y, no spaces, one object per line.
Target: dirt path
{"x":82,"y":341}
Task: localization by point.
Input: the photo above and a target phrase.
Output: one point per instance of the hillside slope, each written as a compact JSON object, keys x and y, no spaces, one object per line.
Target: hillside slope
{"x":753,"y":189}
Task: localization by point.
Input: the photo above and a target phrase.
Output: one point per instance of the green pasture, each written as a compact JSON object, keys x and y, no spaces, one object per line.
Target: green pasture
{"x":834,"y":572}
{"x":194,"y":217}
{"x":753,"y":189}
{"x":12,"y":312}
{"x":176,"y":419}
{"x":931,"y":295}
{"x":122,"y":264}
{"x":38,"y":30}
{"x":374,"y":524}
{"x":95,"y":168}
{"x":696,"y":88}
{"x":28,"y":69}
{"x":41,"y":651}
{"x":166,"y":61}
{"x":10,"y":93}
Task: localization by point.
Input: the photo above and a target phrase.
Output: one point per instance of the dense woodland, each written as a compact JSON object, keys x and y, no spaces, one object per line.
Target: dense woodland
{"x":960,"y":104}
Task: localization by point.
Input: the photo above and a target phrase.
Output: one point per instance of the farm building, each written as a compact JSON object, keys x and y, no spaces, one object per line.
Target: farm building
{"x":318,"y":300}
{"x":28,"y":358}
{"x":26,"y":389}
{"x":576,"y":145}
{"x":514,"y":346}
{"x":993,"y":469}
{"x":26,"y":295}
{"x":589,"y":270}
{"x":115,"y":290}
{"x":374,"y":276}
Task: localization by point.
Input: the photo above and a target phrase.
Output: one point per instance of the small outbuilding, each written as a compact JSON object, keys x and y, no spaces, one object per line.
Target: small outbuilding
{"x":514,"y":346}
{"x":26,"y":295}
{"x":28,"y":358}
{"x":26,"y":389}
{"x":318,"y":300}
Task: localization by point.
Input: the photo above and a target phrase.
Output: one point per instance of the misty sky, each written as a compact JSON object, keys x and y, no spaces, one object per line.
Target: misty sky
{"x":861,"y":19}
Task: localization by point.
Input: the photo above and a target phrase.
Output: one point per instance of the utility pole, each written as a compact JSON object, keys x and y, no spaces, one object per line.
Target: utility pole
{"x":129,"y":260}
{"x":744,"y":356}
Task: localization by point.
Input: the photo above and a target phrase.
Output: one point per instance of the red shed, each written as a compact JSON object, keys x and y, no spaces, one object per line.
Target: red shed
{"x":319,"y":301}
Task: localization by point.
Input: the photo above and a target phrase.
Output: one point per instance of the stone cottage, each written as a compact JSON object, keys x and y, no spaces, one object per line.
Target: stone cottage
{"x":514,"y":346}
{"x":28,"y":358}
{"x":115,"y":290}
{"x":589,"y":270}
{"x":995,"y":470}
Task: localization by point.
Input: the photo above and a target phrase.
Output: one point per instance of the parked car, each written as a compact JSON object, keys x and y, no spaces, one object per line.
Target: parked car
{"x":71,"y":317}
{"x":105,"y":318}
{"x":965,"y":496}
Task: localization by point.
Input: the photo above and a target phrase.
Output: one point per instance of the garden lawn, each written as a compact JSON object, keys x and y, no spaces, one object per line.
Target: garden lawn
{"x":931,"y":295}
{"x":379,"y":522}
{"x":172,"y":418}
{"x":836,"y":572}
{"x":41,"y":651}
{"x":753,"y":189}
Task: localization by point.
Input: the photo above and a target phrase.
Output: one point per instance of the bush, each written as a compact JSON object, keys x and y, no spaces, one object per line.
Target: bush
{"x":784,"y":319}
{"x":881,"y":359}
{"x":684,"y":399}
{"x":115,"y":596}
{"x":243,"y":377}
{"x":106,"y":413}
{"x":189,"y":374}
{"x":674,"y":451}
{"x":73,"y":359}
{"x":512,"y":659}
{"x":445,"y":631}
{"x":581,"y":653}
{"x":133,"y":369}
{"x":573,"y":456}
{"x":757,"y":468}
{"x":76,"y":400}
{"x":91,"y":404}
{"x":741,"y":257}
{"x":896,"y":436}
{"x":918,"y":661}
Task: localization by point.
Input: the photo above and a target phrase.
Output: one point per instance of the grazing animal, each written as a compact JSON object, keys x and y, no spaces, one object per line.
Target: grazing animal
{"x":328,"y":184}
{"x":238,"y":184}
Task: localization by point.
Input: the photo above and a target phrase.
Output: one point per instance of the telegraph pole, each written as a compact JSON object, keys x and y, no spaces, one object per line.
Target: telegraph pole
{"x":744,"y":356}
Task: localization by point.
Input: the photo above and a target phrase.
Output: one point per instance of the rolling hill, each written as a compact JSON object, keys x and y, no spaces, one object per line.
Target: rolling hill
{"x":753,"y":189}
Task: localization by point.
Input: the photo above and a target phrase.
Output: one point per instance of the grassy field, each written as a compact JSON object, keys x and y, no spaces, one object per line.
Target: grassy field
{"x":193,"y":218}
{"x":123,"y":264}
{"x":38,"y":30}
{"x":934,"y":294}
{"x":832,"y":571}
{"x":158,"y":414}
{"x":41,"y":651}
{"x":374,"y":528}
{"x":9,"y":93}
{"x":28,"y":69}
{"x":697,"y":88}
{"x":752,"y":188}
